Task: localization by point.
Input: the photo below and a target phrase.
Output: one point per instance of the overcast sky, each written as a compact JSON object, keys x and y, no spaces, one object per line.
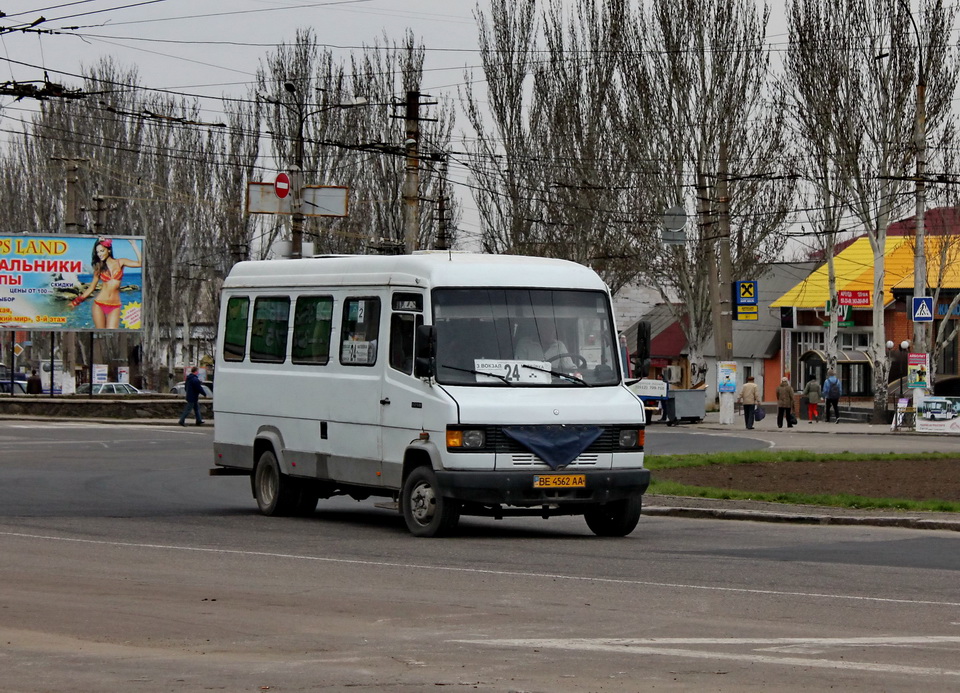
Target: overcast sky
{"x":211,"y":48}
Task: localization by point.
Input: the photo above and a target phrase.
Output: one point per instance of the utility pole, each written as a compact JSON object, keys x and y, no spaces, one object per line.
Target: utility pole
{"x":718,"y":232}
{"x":724,"y":327}
{"x":709,"y":234}
{"x":919,"y":251}
{"x":71,"y":225}
{"x":70,"y":218}
{"x":411,"y":181}
{"x":99,"y":216}
{"x":442,"y":243}
{"x":920,"y":135}
{"x":726,"y":269}
{"x":296,"y":185}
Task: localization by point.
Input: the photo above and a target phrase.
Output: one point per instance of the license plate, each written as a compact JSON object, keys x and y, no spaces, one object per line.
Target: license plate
{"x":559,"y":481}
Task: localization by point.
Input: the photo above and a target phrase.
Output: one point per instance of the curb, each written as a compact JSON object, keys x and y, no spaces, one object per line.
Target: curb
{"x":791,"y":518}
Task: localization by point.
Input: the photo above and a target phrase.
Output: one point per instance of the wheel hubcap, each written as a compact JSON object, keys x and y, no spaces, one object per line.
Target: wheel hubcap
{"x":268,"y":486}
{"x":423,"y":502}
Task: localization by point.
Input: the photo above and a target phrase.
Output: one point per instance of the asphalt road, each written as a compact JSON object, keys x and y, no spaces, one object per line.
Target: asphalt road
{"x":124,"y":567}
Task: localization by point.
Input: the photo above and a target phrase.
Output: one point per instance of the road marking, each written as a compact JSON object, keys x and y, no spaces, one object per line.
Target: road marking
{"x":92,"y":424}
{"x":642,"y":647}
{"x":476,"y":571}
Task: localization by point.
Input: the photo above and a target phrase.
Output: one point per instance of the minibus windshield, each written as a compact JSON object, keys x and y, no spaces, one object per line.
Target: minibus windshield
{"x":524,"y":337}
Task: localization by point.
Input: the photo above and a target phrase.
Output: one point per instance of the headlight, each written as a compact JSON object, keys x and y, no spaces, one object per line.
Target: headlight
{"x":631,"y":438}
{"x":471,"y":438}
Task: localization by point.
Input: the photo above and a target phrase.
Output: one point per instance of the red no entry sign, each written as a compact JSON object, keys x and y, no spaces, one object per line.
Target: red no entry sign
{"x":281,"y":185}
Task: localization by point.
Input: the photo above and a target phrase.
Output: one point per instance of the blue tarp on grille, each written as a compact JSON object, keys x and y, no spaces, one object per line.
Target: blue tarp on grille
{"x":557,"y":445}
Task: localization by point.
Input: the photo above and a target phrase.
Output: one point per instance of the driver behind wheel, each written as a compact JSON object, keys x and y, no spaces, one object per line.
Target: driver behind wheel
{"x":539,"y":342}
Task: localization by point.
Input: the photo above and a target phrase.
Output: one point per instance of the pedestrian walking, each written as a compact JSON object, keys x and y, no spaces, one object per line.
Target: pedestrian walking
{"x":785,"y":403}
{"x":832,"y":389}
{"x":812,"y":392}
{"x":193,"y":389}
{"x":750,"y":397}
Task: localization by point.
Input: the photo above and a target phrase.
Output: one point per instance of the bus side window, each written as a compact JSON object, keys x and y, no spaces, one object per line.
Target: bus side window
{"x":402,"y":329}
{"x":359,"y":330}
{"x":312,"y":323}
{"x":235,"y":329}
{"x":268,"y":333}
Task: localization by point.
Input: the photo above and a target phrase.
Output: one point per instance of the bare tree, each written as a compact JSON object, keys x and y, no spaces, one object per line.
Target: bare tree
{"x":944,"y":250}
{"x":550,"y":169}
{"x":867,"y":53}
{"x":344,"y":121}
{"x":509,"y":180}
{"x":811,"y":94}
{"x":698,"y":77}
{"x":577,"y":103}
{"x":159,"y":172}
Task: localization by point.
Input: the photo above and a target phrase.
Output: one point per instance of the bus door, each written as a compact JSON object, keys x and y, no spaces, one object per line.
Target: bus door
{"x":402,"y":398}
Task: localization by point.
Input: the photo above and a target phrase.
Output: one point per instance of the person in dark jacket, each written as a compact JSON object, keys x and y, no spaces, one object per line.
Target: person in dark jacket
{"x":34,"y":384}
{"x":193,"y":390}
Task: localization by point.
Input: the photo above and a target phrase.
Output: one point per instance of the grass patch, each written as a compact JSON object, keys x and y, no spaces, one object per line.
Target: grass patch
{"x":751,"y":456}
{"x":671,"y":488}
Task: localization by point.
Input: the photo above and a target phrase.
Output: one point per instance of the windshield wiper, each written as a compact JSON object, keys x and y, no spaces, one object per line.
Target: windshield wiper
{"x":558,"y":374}
{"x":475,"y":372}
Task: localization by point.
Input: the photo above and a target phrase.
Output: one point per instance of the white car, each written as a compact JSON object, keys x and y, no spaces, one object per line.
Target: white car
{"x":108,"y":389}
{"x":181,"y":389}
{"x":18,"y":387}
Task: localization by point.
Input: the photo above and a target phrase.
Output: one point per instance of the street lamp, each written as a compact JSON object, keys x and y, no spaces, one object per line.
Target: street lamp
{"x":901,"y":360}
{"x":296,"y":171}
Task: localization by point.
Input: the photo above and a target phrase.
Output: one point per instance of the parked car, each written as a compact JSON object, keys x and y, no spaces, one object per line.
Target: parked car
{"x":17,"y":375}
{"x":19,"y":387}
{"x":108,"y":389}
{"x":181,"y":389}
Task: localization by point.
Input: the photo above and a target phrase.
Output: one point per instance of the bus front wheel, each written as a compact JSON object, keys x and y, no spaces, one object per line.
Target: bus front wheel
{"x":616,"y":519}
{"x":425,"y":510}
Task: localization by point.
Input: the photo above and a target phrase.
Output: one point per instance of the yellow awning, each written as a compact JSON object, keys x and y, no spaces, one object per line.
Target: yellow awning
{"x":853,"y":267}
{"x":939,"y":250}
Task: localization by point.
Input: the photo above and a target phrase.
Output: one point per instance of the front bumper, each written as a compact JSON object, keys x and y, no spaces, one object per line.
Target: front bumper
{"x":516,"y":487}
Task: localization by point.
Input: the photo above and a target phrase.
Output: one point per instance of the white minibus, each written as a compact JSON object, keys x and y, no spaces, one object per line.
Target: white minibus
{"x":453,"y":383}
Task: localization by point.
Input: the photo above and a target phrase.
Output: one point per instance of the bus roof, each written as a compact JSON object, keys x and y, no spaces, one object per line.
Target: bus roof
{"x":427,"y":269}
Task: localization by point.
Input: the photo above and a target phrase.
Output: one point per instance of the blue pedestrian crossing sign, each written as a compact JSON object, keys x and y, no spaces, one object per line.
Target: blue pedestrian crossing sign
{"x":922,"y":309}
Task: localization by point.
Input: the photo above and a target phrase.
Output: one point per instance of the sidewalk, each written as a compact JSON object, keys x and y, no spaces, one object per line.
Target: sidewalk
{"x":769,"y":423}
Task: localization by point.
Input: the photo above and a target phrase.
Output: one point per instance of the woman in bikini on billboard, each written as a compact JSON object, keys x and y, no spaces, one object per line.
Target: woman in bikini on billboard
{"x":108,"y":271}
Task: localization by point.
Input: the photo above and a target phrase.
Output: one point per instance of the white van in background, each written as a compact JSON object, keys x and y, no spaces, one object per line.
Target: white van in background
{"x":454,"y":383}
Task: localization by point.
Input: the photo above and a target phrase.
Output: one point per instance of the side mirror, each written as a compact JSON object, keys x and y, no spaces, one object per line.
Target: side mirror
{"x":424,"y":365}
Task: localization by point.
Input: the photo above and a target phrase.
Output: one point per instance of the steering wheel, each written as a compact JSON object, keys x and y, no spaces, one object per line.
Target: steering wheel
{"x":579,"y":362}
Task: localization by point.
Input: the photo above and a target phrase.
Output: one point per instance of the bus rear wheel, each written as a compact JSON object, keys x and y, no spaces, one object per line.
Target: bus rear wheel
{"x":425,"y":510}
{"x":616,"y":519}
{"x":276,"y":493}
